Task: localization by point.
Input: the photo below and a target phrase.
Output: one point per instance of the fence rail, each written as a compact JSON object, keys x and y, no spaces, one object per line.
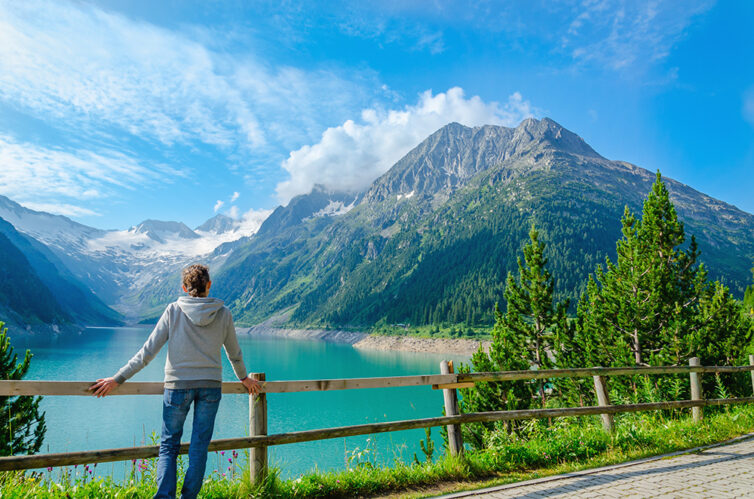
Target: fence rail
{"x":448,"y":382}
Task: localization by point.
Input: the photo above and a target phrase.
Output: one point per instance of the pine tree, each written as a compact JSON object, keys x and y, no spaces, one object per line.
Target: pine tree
{"x":531,"y":314}
{"x":23,"y":426}
{"x":639,"y":309}
{"x":522,"y":337}
{"x":655,"y":305}
{"x":506,"y":353}
{"x":749,"y":298}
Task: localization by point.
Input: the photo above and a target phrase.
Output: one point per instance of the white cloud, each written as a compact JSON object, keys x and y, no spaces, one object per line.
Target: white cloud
{"x":623,"y":35}
{"x":38,"y":175}
{"x":77,"y":66}
{"x":233,"y":212}
{"x":68,"y":210}
{"x":350,"y":156}
{"x":252,"y":220}
{"x":218,"y":205}
{"x":234,"y":197}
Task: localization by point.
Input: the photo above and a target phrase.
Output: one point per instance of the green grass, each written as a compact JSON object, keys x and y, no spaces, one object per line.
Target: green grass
{"x":566,"y":445}
{"x":455,"y":331}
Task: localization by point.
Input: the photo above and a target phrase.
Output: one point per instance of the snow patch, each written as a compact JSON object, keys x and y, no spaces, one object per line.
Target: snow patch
{"x":406,"y":196}
{"x":334,"y":209}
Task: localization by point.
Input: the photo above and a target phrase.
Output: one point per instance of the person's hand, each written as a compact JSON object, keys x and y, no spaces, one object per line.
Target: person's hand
{"x":251,"y":385}
{"x":103,"y":387}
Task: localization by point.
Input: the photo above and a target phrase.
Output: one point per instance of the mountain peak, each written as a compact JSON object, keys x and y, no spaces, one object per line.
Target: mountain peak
{"x":218,"y":224}
{"x":548,"y":132}
{"x":158,"y":230}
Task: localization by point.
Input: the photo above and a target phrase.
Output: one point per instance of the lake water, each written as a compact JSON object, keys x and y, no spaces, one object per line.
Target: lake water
{"x":87,"y":423}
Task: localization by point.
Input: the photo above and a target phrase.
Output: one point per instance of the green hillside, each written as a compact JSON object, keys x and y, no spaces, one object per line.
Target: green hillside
{"x":432,"y":240}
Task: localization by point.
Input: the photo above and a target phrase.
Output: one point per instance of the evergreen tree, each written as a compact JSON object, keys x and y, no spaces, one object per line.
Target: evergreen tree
{"x":655,"y":305}
{"x":23,"y":426}
{"x":639,"y":309}
{"x":507,"y":353}
{"x":521,"y":338}
{"x":749,"y":298}
{"x":531,"y":314}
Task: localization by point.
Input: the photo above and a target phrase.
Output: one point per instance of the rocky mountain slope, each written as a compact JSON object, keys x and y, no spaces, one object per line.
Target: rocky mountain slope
{"x":125,"y":269}
{"x":433,"y":238}
{"x":430,"y":241}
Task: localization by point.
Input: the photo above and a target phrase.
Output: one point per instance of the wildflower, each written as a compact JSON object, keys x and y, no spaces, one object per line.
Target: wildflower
{"x":230,"y":460}
{"x":222,"y":452}
{"x":49,"y":468}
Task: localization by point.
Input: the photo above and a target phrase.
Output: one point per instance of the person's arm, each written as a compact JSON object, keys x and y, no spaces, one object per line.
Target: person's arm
{"x":144,"y":356}
{"x":235,"y":356}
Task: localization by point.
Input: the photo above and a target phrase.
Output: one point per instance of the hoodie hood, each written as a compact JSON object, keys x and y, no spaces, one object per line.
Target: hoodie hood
{"x":200,"y":311}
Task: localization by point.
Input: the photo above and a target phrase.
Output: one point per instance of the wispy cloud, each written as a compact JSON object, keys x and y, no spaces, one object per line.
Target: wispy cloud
{"x":93,"y":69}
{"x":234,"y":197}
{"x":68,"y":210}
{"x":350,"y":156}
{"x":219,"y":204}
{"x":627,"y":34}
{"x":48,"y":177}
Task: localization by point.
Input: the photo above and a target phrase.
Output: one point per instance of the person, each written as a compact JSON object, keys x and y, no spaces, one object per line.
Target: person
{"x":195,"y":327}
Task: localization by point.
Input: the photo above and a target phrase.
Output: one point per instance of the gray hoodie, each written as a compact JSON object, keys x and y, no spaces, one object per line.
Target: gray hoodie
{"x":195,"y":330}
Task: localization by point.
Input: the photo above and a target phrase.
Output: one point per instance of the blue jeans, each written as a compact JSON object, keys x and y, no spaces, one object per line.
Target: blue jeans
{"x":175,"y":408}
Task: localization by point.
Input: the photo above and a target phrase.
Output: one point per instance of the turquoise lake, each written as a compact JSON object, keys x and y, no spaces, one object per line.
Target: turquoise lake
{"x":87,"y":423}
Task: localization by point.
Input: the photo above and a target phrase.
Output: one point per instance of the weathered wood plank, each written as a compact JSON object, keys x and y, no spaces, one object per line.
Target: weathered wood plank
{"x":450,"y":397}
{"x":258,"y":427}
{"x":603,"y":399}
{"x":109,"y":455}
{"x":596,"y":371}
{"x":448,"y":386}
{"x":696,"y":390}
{"x":30,"y":387}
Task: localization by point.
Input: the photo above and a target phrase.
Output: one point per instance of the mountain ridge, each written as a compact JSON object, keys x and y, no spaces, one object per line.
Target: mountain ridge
{"x":460,"y":190}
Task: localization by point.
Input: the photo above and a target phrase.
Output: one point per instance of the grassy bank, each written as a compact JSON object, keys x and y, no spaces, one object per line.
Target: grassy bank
{"x":566,"y":445}
{"x":457,"y":331}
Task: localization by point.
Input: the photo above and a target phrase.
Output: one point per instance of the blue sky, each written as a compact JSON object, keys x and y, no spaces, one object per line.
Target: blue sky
{"x":115,"y":112}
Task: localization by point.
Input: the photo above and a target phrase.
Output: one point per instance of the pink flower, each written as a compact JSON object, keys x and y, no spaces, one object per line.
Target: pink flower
{"x":230,"y":460}
{"x":222,"y":452}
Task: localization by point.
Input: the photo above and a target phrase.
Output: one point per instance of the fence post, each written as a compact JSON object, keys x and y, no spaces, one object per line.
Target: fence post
{"x":257,"y":427}
{"x":455,"y":439}
{"x":751,"y":363}
{"x":600,"y":387}
{"x":696,"y":389}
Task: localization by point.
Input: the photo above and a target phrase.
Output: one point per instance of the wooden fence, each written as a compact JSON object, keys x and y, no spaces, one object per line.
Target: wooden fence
{"x":448,"y":381}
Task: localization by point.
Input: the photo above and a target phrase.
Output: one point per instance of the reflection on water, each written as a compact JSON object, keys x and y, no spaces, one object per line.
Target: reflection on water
{"x":84,"y":423}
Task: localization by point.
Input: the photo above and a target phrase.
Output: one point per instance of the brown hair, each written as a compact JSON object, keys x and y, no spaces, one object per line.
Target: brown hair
{"x":195,"y":279}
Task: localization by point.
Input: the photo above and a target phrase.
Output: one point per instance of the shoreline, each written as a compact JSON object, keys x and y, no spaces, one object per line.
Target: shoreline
{"x":420,"y":344}
{"x":366,"y":341}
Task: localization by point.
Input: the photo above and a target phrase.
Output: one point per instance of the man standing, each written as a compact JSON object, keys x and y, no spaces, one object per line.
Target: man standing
{"x":195,"y":328}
